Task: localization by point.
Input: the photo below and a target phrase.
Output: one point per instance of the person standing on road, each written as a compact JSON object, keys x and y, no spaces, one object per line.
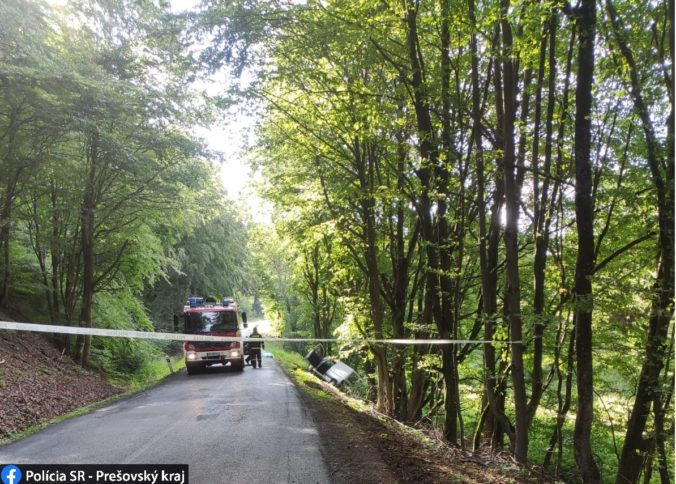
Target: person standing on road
{"x":255,"y":348}
{"x":247,"y":352}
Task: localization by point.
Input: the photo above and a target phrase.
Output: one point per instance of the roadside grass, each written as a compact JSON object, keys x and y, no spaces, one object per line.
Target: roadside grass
{"x":150,"y":373}
{"x":287,"y":359}
{"x":406,"y":438}
{"x":296,"y":366}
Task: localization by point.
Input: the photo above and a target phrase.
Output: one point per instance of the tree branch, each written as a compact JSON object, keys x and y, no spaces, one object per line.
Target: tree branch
{"x":620,"y":251}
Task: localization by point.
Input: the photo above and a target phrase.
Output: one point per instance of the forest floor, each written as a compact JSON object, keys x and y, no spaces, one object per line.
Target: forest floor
{"x":38,"y":383}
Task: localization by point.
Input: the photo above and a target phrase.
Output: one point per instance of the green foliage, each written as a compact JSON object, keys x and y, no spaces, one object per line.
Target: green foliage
{"x":96,"y":116}
{"x":273,"y":263}
{"x":344,"y":159}
{"x":379,"y":211}
{"x":212,"y":257}
{"x":124,"y":360}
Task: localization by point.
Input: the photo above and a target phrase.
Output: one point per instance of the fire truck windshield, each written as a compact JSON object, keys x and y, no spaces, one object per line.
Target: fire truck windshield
{"x":210,"y":322}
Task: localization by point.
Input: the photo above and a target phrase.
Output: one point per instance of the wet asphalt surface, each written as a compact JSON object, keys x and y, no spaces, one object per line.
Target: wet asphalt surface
{"x":229,"y":427}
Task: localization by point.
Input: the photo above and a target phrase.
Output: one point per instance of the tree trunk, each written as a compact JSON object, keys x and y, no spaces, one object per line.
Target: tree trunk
{"x":364,"y":164}
{"x":513,"y":283}
{"x":541,"y":214}
{"x":584,"y":218}
{"x":401,"y":254}
{"x":494,"y":421}
{"x":497,"y":423}
{"x":5,"y":232}
{"x":55,"y":254}
{"x":429,"y":175}
{"x":87,"y":238}
{"x":659,"y":410}
{"x":564,"y":400}
{"x":661,"y":163}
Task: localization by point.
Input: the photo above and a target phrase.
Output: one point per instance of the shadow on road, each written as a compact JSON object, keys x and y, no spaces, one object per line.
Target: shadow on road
{"x":214,"y":369}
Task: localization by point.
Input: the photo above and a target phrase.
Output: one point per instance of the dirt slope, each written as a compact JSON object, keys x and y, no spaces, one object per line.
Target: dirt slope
{"x":38,"y":383}
{"x":365,"y":447}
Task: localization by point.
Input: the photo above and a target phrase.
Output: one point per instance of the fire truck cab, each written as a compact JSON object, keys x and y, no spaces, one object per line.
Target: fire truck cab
{"x":205,"y":316}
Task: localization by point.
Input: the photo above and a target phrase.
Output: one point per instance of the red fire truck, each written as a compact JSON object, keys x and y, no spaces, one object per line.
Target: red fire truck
{"x":204,"y":316}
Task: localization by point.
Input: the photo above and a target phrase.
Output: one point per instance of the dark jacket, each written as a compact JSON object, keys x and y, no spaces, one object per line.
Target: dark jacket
{"x":256,"y":345}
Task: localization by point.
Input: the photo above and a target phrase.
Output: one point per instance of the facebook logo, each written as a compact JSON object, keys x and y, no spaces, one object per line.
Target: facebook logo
{"x":11,"y":475}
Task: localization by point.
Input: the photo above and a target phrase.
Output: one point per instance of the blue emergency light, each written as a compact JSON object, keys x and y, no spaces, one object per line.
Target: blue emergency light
{"x":195,"y":301}
{"x":227,"y":301}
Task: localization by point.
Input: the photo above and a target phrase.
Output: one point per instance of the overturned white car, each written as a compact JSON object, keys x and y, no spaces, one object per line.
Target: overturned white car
{"x":333,"y":372}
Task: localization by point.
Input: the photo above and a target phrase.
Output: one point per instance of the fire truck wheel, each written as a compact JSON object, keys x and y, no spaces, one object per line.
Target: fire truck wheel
{"x":192,"y":368}
{"x":239,"y":365}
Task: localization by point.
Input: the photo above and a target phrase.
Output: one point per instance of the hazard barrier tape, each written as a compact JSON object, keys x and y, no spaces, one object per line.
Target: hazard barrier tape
{"x":124,"y":333}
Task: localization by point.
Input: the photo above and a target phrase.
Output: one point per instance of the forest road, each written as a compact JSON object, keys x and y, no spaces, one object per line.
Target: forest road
{"x":228,"y":426}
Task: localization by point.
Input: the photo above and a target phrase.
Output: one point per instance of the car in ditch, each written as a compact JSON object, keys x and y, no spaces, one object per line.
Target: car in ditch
{"x":334,"y":372}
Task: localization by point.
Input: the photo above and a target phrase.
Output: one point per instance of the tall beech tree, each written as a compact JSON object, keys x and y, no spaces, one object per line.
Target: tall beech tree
{"x":660,"y":160}
{"x":512,"y":201}
{"x":584,"y":221}
{"x":30,"y":120}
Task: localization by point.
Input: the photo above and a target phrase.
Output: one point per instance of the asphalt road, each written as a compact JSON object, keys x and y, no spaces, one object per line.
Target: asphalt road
{"x":230,"y":427}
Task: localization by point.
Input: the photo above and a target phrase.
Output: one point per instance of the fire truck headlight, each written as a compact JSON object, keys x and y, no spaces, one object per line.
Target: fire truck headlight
{"x":191,"y":356}
{"x":235,"y":354}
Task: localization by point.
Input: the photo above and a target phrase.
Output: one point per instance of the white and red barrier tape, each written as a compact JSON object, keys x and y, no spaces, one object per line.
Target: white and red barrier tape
{"x":123,"y":333}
